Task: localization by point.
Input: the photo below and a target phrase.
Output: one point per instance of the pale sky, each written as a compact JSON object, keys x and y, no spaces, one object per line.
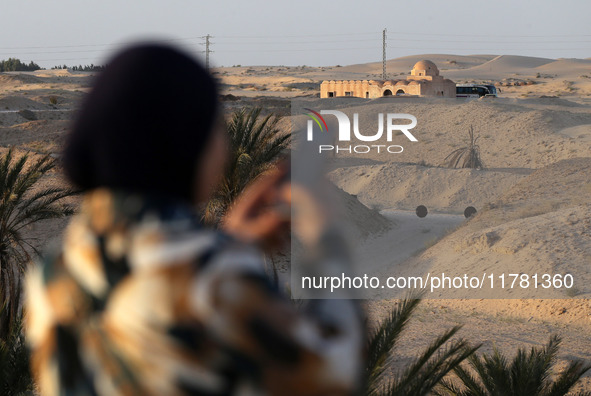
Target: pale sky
{"x":302,"y":32}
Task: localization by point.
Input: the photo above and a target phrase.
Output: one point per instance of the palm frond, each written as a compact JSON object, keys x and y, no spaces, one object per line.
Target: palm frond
{"x":15,"y":375}
{"x":381,"y":341}
{"x":21,"y":207}
{"x":426,"y":371}
{"x":431,"y":366}
{"x":255,"y":144}
{"x":465,"y":157}
{"x":568,"y":379}
{"x":527,"y":374}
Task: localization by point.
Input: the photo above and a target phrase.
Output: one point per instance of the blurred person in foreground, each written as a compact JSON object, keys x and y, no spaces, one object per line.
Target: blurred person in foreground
{"x":140,"y":298}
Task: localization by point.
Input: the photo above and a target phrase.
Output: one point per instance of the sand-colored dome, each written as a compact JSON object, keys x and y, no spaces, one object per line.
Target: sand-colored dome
{"x":425,"y":68}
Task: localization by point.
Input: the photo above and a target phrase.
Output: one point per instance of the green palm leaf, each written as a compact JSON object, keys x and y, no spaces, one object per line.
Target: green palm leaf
{"x":426,"y":371}
{"x":256,"y":143}
{"x":15,"y":377}
{"x":21,"y":207}
{"x":527,"y":374}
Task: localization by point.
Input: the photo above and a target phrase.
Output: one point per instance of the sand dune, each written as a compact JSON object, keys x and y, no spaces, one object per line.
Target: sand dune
{"x":541,"y":224}
{"x":519,"y":76}
{"x":580,"y":132}
{"x":503,"y":66}
{"x":511,"y":64}
{"x":358,"y":218}
{"x":513,"y":133}
{"x":398,"y":186}
{"x":404,"y":64}
{"x":566,"y":66}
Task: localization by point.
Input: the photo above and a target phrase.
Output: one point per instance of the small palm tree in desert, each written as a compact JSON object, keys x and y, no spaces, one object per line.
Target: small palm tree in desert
{"x":527,"y":374}
{"x":20,"y":207}
{"x":256,"y":143}
{"x":425,"y":372}
{"x":465,"y":157}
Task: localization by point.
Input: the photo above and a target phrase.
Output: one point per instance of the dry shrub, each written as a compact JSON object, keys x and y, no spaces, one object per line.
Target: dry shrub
{"x":465,"y":157}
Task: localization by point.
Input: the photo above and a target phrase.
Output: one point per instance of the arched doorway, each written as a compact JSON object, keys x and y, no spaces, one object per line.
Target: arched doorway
{"x":387,"y":93}
{"x":400,"y":92}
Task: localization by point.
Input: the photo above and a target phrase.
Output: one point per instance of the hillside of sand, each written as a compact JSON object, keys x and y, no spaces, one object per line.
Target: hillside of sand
{"x":540,"y":224}
{"x":512,"y":133}
{"x":534,"y":139}
{"x":516,"y":76}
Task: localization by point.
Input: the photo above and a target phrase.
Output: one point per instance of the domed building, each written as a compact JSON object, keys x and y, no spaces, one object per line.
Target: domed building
{"x":425,"y":68}
{"x":424,"y":80}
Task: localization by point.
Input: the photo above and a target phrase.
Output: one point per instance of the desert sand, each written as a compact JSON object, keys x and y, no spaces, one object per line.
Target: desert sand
{"x":532,"y":196}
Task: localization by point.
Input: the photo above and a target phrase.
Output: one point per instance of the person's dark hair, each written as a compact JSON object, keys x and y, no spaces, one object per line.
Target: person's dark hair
{"x":144,"y":124}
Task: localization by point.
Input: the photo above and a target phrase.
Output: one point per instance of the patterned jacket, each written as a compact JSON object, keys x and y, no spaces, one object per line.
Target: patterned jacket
{"x":140,"y":299}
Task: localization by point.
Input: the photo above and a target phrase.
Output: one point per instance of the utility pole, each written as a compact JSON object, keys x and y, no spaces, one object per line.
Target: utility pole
{"x":207,"y":51}
{"x":384,"y":55}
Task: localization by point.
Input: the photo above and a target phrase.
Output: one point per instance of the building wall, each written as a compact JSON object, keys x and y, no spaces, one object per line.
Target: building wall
{"x":439,"y":87}
{"x":420,"y":83}
{"x":372,"y":89}
{"x":344,"y":88}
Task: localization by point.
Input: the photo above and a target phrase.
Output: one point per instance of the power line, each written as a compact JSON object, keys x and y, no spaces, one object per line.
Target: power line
{"x":248,"y":50}
{"x":104,"y":45}
{"x":496,"y":49}
{"x":326,"y":35}
{"x":239,"y":42}
{"x":304,"y":35}
{"x":372,"y":48}
{"x":302,"y":50}
{"x":294,"y":42}
{"x":54,"y":52}
{"x":408,"y":34}
{"x":184,"y":39}
{"x":492,"y":35}
{"x":79,"y":59}
{"x":205,"y":44}
{"x":314,"y":44}
{"x":207,"y":52}
{"x":495,"y":42}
